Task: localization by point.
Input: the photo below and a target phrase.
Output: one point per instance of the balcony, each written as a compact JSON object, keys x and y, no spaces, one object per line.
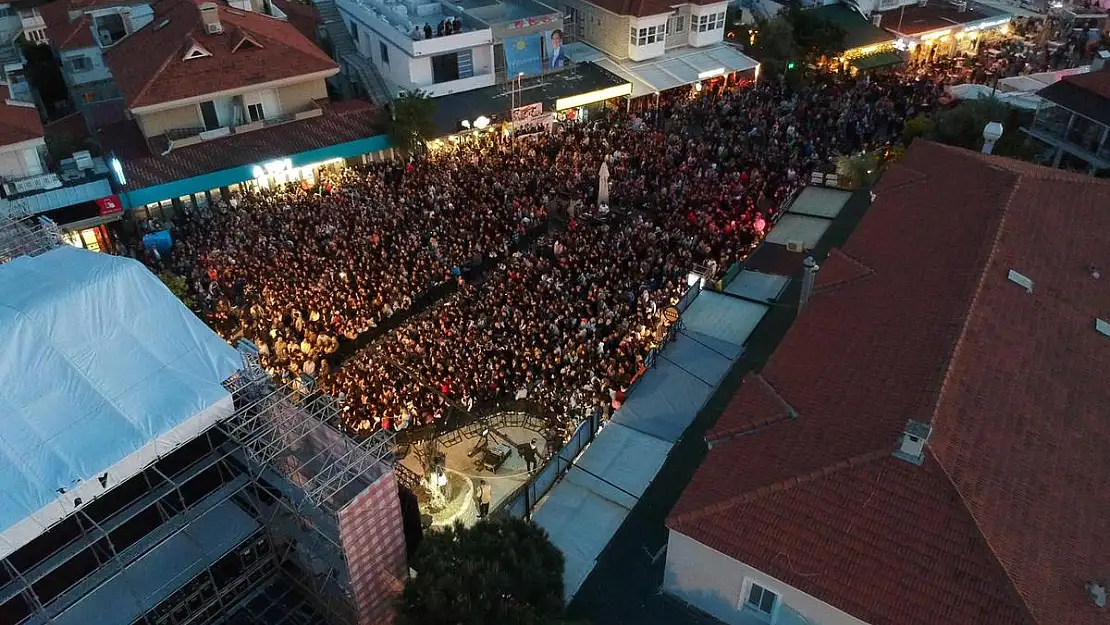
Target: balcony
{"x":401,"y":22}
{"x":192,"y":135}
{"x":34,"y":27}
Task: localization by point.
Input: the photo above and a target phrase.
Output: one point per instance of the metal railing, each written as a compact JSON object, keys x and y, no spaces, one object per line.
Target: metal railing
{"x":524,"y":499}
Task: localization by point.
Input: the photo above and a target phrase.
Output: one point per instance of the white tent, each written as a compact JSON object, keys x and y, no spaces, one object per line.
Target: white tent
{"x":1016,"y":99}
{"x":102,"y":370}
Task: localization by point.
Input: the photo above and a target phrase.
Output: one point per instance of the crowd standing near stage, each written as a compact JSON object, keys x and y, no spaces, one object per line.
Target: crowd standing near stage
{"x":559,"y":313}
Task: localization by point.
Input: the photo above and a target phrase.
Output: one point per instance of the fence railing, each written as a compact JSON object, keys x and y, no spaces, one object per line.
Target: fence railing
{"x":523,"y":500}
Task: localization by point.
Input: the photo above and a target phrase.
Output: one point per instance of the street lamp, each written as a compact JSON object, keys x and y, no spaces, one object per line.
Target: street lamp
{"x":992,"y":132}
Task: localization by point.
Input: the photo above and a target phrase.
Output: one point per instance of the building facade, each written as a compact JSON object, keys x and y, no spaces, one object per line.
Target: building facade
{"x":220,"y":96}
{"x":1072,"y":123}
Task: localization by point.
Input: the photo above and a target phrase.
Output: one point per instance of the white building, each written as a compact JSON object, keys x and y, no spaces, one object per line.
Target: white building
{"x":442,"y":47}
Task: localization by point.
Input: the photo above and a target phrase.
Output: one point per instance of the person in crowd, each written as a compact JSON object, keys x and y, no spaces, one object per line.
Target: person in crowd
{"x":460,"y":279}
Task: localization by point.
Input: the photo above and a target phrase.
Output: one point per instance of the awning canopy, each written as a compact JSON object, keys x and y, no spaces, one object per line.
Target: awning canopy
{"x":682,"y":67}
{"x":875,"y":61}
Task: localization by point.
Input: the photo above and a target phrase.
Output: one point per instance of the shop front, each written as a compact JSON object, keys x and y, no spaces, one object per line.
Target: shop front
{"x":163,"y":201}
{"x":85,"y":225}
{"x":952,"y":39}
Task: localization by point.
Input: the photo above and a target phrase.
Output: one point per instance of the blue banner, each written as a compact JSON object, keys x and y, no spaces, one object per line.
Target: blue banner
{"x":523,"y":55}
{"x":160,"y":241}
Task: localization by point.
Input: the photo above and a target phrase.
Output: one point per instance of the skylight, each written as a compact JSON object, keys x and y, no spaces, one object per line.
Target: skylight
{"x":1021,"y":280}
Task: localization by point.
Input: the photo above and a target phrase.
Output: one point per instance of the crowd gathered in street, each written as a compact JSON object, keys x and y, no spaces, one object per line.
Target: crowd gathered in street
{"x":484,"y":271}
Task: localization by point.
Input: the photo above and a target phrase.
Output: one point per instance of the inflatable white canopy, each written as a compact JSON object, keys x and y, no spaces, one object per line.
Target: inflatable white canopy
{"x":102,"y":370}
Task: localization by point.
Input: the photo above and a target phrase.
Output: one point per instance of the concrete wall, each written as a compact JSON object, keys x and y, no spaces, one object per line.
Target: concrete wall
{"x":98,"y":70}
{"x":295,"y":98}
{"x":718,"y":584}
{"x":603,"y":30}
{"x":21,"y":161}
{"x":154,"y":124}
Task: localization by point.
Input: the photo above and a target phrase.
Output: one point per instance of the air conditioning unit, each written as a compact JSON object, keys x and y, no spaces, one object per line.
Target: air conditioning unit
{"x":83,"y":159}
{"x":795,"y":246}
{"x":215,"y":28}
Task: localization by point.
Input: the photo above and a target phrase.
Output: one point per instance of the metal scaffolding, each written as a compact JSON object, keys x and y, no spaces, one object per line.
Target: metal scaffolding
{"x":275,"y":465}
{"x":27,"y":237}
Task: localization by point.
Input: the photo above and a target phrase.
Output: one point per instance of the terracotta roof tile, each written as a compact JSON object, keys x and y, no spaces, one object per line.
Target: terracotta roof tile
{"x":1012,"y":383}
{"x":755,"y":405}
{"x":1095,"y":82}
{"x":144,"y":168}
{"x":149,"y":67}
{"x":18,"y":123}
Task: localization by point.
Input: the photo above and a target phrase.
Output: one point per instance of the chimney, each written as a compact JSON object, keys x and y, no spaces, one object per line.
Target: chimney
{"x":911,"y":446}
{"x":210,"y":15}
{"x":809,"y":277}
{"x":1097,"y":593}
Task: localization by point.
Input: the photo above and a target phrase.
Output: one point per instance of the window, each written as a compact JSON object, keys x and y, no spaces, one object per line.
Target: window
{"x":679,"y":24}
{"x":711,"y":22}
{"x":209,"y":115}
{"x":255,"y":112}
{"x":80,"y":64}
{"x":646,"y":36}
{"x":445,"y":67}
{"x":5,"y":12}
{"x":761,"y":600}
{"x":385,"y":53}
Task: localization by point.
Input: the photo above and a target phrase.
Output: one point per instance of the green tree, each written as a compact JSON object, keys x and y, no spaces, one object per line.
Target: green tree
{"x":814,"y":38}
{"x":962,"y":126}
{"x":409,"y":120}
{"x":502,"y":570}
{"x":774,"y":45}
{"x":920,"y":126}
{"x":178,"y":286}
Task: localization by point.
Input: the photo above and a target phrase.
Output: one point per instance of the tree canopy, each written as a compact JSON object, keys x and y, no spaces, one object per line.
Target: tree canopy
{"x":409,"y":121}
{"x":501,"y":570}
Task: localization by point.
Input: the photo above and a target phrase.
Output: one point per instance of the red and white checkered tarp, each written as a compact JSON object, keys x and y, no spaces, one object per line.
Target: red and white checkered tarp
{"x":373,"y":537}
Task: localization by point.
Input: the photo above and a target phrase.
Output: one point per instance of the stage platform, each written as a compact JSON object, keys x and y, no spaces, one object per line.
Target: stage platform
{"x":615,"y":470}
{"x":513,"y":473}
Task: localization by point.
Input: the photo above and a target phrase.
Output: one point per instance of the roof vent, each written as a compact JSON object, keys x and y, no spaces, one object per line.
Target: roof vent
{"x":1103,"y":327}
{"x":1023,"y":281}
{"x":161,"y":25}
{"x":912,"y":442}
{"x":1097,"y":593}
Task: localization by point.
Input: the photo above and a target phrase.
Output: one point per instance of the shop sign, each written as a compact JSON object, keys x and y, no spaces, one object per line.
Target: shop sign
{"x":109,"y":205}
{"x":272,"y":168}
{"x":988,"y":24}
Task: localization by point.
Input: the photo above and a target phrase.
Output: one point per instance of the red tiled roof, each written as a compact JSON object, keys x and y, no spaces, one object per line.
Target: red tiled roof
{"x":149,"y":67}
{"x":755,"y":405}
{"x":643,"y":8}
{"x":1003,"y":521}
{"x":64,"y":33}
{"x":145,"y":168}
{"x":18,"y":123}
{"x":1095,"y":82}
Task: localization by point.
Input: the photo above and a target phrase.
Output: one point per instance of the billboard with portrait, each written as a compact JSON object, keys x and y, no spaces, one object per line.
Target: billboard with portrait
{"x":523,"y":55}
{"x":555,"y":56}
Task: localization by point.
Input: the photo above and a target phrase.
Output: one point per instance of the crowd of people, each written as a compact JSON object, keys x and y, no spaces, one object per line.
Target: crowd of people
{"x":532,"y":298}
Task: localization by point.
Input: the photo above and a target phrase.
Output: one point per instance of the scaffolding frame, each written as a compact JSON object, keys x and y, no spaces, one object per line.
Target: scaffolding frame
{"x":276,"y":458}
{"x":20,"y":238}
